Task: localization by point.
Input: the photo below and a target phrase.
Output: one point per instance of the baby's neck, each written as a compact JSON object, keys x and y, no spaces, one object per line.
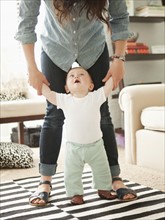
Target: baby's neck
{"x":79,"y":94}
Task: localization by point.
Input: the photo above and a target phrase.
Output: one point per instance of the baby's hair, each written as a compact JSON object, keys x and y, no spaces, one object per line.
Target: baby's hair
{"x":78,"y":67}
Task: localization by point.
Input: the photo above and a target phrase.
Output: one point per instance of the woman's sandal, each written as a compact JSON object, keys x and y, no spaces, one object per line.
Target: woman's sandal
{"x":121,"y":192}
{"x":77,"y":200}
{"x":40,"y":195}
{"x":105,"y":194}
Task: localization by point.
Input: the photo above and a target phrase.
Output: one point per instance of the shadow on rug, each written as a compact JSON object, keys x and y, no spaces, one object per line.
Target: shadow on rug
{"x":15,"y":206}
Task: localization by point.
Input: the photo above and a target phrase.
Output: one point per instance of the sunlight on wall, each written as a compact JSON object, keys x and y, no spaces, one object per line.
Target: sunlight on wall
{"x":13,"y":63}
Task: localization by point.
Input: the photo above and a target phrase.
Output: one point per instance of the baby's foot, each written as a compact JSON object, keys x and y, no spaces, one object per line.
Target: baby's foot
{"x":77,"y":200}
{"x":105,"y":194}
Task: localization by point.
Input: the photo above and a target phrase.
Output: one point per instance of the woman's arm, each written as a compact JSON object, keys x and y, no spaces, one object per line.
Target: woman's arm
{"x":28,"y":18}
{"x":117,"y":68}
{"x":119,"y":21}
{"x":49,"y":95}
{"x":36,"y":78}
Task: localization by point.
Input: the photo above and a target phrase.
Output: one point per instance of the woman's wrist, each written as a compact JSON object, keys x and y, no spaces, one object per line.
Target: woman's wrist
{"x":118,"y":57}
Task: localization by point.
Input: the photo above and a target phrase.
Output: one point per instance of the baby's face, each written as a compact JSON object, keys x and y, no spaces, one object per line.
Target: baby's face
{"x":78,"y":80}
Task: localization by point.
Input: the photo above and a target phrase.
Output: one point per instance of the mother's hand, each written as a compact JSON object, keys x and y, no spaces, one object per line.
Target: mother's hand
{"x":117,"y":71}
{"x":36,"y":79}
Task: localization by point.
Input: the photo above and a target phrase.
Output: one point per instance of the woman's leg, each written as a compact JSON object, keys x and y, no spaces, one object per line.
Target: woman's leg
{"x":98,"y":72}
{"x":51,"y":133}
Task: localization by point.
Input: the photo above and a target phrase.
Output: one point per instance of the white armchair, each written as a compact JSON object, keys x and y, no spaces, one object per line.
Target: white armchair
{"x":144,"y":124}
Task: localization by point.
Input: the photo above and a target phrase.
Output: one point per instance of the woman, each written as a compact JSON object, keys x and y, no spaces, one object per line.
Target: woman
{"x":73,"y":31}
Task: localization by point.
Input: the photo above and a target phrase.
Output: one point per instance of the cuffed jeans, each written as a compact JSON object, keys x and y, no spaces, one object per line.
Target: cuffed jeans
{"x":51,"y":133}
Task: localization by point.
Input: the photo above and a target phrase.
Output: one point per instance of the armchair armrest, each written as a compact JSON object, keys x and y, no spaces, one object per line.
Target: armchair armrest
{"x":132,"y":100}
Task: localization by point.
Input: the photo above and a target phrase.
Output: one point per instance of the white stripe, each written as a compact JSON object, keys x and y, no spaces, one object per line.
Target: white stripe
{"x":24,"y":207}
{"x":11,"y":191}
{"x":53,"y":216}
{"x":154,"y":216}
{"x":15,"y":196}
{"x":8,"y":186}
{"x":16,"y":200}
{"x":28,"y":180}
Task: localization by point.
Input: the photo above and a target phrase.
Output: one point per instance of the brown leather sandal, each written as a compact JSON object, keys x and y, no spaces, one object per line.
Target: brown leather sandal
{"x":105,"y":194}
{"x":77,"y":200}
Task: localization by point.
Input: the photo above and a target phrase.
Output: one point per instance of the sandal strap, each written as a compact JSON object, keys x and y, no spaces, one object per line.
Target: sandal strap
{"x":124,"y":191}
{"x":116,"y":179}
{"x":46,"y":182}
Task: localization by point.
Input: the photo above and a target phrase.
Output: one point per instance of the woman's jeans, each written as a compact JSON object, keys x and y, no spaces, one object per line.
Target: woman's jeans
{"x":51,"y":134}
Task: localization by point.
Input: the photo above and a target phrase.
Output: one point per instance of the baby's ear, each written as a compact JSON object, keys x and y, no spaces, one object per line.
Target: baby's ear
{"x":66,"y":89}
{"x":91,"y":86}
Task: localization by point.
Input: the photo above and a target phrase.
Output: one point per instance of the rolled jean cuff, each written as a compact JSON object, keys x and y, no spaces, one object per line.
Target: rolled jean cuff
{"x":47,"y":169}
{"x":115,"y":170}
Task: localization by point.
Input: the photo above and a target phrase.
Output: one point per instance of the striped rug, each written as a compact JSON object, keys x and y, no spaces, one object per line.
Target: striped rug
{"x":14,"y":202}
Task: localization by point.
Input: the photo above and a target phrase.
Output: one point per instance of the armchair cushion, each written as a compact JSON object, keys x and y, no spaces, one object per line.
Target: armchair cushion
{"x":31,"y":105}
{"x":14,"y":155}
{"x":153,"y":118}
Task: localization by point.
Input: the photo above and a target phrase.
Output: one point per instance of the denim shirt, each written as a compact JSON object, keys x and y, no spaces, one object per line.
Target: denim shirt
{"x":78,"y":39}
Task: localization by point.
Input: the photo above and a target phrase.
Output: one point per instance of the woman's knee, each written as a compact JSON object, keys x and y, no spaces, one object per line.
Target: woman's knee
{"x":105,"y":114}
{"x":54,"y":117}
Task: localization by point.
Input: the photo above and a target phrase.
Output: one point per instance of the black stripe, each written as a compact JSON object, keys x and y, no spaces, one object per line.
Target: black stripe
{"x":13,"y":199}
{"x":130,"y":206}
{"x":41,"y":214}
{"x":6,"y":184}
{"x":32,"y":208}
{"x":11,"y":188}
{"x":123,"y":215}
{"x":144,"y":214}
{"x":13,"y":193}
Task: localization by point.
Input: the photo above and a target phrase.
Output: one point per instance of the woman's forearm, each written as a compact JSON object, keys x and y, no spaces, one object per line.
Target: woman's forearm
{"x":36,"y":78}
{"x":30,"y":56}
{"x":120,"y":47}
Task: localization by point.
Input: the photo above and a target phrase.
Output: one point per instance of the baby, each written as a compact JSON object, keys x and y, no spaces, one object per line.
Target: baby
{"x":81,"y":107}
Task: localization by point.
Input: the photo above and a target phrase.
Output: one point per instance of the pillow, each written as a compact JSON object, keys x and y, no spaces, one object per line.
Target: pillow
{"x":153,"y":118}
{"x":11,"y":96}
{"x":13,"y":155}
{"x":14,"y":89}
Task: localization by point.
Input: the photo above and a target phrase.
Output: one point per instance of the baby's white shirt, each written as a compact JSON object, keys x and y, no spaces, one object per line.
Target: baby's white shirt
{"x":82,"y":116}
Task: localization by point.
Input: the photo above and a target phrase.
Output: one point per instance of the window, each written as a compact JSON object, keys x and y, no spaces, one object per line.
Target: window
{"x":13,"y":65}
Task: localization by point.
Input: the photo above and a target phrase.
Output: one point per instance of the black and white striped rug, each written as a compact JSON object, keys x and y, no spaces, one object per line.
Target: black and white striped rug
{"x":14,"y":203}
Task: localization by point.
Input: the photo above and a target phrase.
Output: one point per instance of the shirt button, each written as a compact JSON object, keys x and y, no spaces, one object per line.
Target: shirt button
{"x":74,"y":19}
{"x":74,"y":4}
{"x":75,"y":44}
{"x":74,"y":32}
{"x":75,"y":55}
